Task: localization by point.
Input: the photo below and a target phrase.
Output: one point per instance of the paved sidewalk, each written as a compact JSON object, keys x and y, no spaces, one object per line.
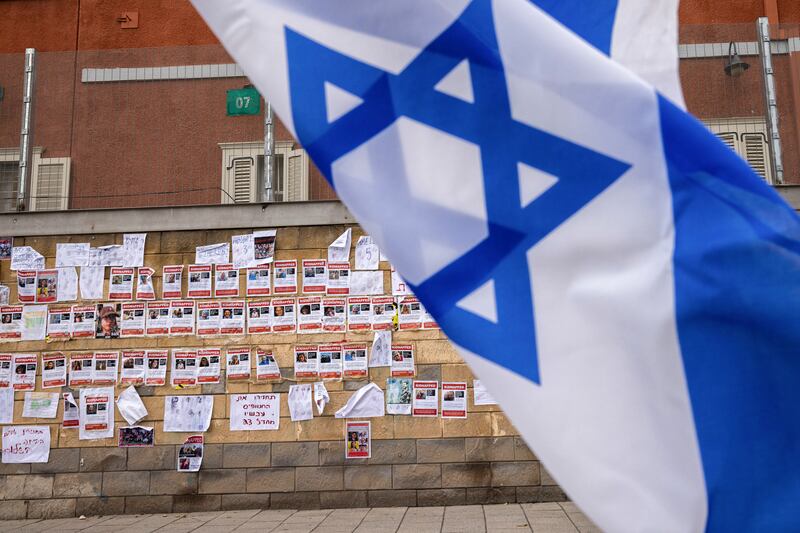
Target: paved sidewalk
{"x":537,"y":517}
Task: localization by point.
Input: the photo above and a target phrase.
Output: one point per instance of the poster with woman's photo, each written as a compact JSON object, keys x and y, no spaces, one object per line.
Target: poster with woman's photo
{"x":334,"y":315}
{"x":107,"y":321}
{"x":59,"y":322}
{"x":226,"y":280}
{"x":358,"y":440}
{"x":46,"y":286}
{"x":172,"y":282}
{"x":120,"y":284}
{"x":208,"y":314}
{"x":133,"y":319}
{"x":232,"y":319}
{"x":81,"y":368}
{"x":190,"y":454}
{"x":398,"y":396}
{"x":133,"y":367}
{"x":454,"y":399}
{"x":259,"y":282}
{"x":315,"y":276}
{"x":83,"y":321}
{"x":208,"y":365}
{"x":11,"y":322}
{"x":156,"y":372}
{"x":285,"y":281}
{"x":266,"y":366}
{"x":259,"y":317}
{"x":309,"y":317}
{"x":24,"y":365}
{"x":306,"y":363}
{"x":410,"y":313}
{"x":199,"y":281}
{"x":425,"y":399}
{"x":6,"y":360}
{"x":54,"y":370}
{"x":284,"y":316}
{"x":157,"y":319}
{"x":330,"y":361}
{"x":26,"y":286}
{"x":355,"y":360}
{"x":184,"y":367}
{"x":181,"y":317}
{"x":145,"y":290}
{"x":338,"y":279}
{"x":402,"y":360}
{"x":237,"y":364}
{"x":105,"y":368}
{"x":96,"y":413}
{"x":359,"y":313}
{"x":136,"y":437}
{"x":382,"y":313}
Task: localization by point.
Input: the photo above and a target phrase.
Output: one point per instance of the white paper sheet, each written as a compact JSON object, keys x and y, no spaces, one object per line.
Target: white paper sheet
{"x":253,"y":412}
{"x":133,"y":249}
{"x":40,"y":405}
{"x":399,"y":285}
{"x":481,"y":395}
{"x":187,"y":413}
{"x":130,"y":405}
{"x":67,"y":284}
{"x":4,"y":294}
{"x":26,"y":444}
{"x":212,"y":254}
{"x":91,"y":282}
{"x":72,"y":254}
{"x":6,"y":405}
{"x":96,"y":413}
{"x":244,"y":250}
{"x":34,"y":322}
{"x":366,"y":282}
{"x":321,"y":397}
{"x":367,"y":254}
{"x":111,"y":255}
{"x":300,"y":402}
{"x":26,"y":258}
{"x":339,"y":250}
{"x":381,"y":352}
{"x":366,"y":402}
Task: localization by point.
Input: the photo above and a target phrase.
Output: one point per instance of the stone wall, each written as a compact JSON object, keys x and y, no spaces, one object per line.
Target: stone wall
{"x":415,"y":461}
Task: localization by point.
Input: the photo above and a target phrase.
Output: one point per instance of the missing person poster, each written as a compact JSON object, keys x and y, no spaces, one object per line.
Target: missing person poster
{"x":184,"y":367}
{"x":145,"y":290}
{"x":259,"y":281}
{"x":226,"y":280}
{"x":338,"y":279}
{"x":284,"y":318}
{"x":105,"y":368}
{"x":120,"y":285}
{"x":398,"y":396}
{"x":309,"y":318}
{"x":181,"y":317}
{"x":359,"y":313}
{"x":358,"y":439}
{"x":454,"y":399}
{"x":306,"y":363}
{"x":59,"y":322}
{"x":190,"y":454}
{"x":355,"y":360}
{"x":410,"y":315}
{"x":285,"y":277}
{"x":6,"y":371}
{"x":157,"y":323}
{"x":330,"y":361}
{"x":156,"y":373}
{"x":172,"y":282}
{"x":133,"y":367}
{"x":96,"y":413}
{"x":46,"y":286}
{"x":11,"y":322}
{"x":26,"y":286}
{"x":83,"y":321}
{"x":402,"y":360}
{"x":266,"y":366}
{"x":426,"y":399}
{"x":334,"y":315}
{"x":81,"y":369}
{"x":315,"y":276}
{"x":238,"y":364}
{"x":199,"y":281}
{"x":107,"y":321}
{"x":71,"y":418}
{"x":24,"y":377}
{"x":232,"y":317}
{"x":133,"y":319}
{"x":382,"y":313}
{"x":208,"y":365}
{"x":208,"y":318}
{"x":252,"y":412}
{"x":259,"y":317}
{"x":54,"y":370}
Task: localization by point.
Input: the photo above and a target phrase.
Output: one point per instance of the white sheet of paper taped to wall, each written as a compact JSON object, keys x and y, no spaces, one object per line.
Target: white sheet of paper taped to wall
{"x":4,"y":294}
{"x":40,"y":405}
{"x":72,"y":254}
{"x":26,"y":444}
{"x":381,"y":352}
{"x":67,"y":284}
{"x":91,"y":282}
{"x":6,"y":405}
{"x":244,"y":250}
{"x":321,"y":397}
{"x":300,"y":402}
{"x":188,"y":413}
{"x":133,"y":249}
{"x":130,"y":406}
{"x":339,"y":250}
{"x":26,"y":258}
{"x":213,"y":254}
{"x":34,"y":322}
{"x":366,"y":402}
{"x":366,"y":282}
{"x":111,"y":255}
{"x":367,"y":254}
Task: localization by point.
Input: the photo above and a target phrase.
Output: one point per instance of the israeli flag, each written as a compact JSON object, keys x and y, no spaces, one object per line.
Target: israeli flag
{"x":622,"y":282}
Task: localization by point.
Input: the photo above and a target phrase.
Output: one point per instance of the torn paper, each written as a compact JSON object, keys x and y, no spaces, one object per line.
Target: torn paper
{"x":367,"y":254}
{"x":381,"y":352}
{"x":130,"y":405}
{"x":71,"y":418}
{"x":190,"y":454}
{"x":321,"y":397}
{"x":366,"y":402}
{"x":300,"y":402}
{"x":339,"y":250}
{"x":481,"y":395}
{"x":136,"y":437}
{"x":26,"y":258}
{"x":72,"y":254}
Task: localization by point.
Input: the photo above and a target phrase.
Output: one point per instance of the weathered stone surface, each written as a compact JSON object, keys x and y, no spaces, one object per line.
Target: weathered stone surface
{"x":125,"y":483}
{"x":319,"y":478}
{"x":466,"y":475}
{"x":331,"y":453}
{"x":148,"y":504}
{"x":30,"y":486}
{"x":246,"y":455}
{"x":372,"y":477}
{"x":77,"y":485}
{"x":485,"y":495}
{"x":222,"y":481}
{"x":541,"y":494}
{"x":393,"y":451}
{"x":440,"y":450}
{"x":235,"y":502}
{"x":415,"y":476}
{"x":294,"y":500}
{"x":434,"y":497}
{"x":192,"y":503}
{"x":392,"y":498}
{"x":100,"y":506}
{"x":522,"y":452}
{"x":343,"y":499}
{"x":295,"y":454}
{"x":212,"y":456}
{"x":490,"y":449}
{"x":62,"y":508}
{"x":103,"y":459}
{"x":173,"y":482}
{"x":60,"y":460}
{"x":155,"y":458}
{"x":515,"y":473}
{"x":13,"y":510}
{"x":275,"y":479}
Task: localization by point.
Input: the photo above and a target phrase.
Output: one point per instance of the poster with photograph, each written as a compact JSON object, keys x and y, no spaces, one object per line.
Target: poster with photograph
{"x":402,"y":361}
{"x":425,"y":401}
{"x":330,"y":361}
{"x":24,"y":365}
{"x":454,"y":399}
{"x":184,"y":368}
{"x":26,"y":286}
{"x":133,"y":367}
{"x":259,"y":281}
{"x":259,"y":317}
{"x":410,"y":313}
{"x":306,"y":363}
{"x":338,"y":279}
{"x":382,"y":313}
{"x":359,"y":313}
{"x":6,"y":244}
{"x":156,"y":373}
{"x":226,"y":280}
{"x":284,"y":317}
{"x":355,"y":360}
{"x":81,"y":369}
{"x":188,"y":413}
{"x":358,"y":437}
{"x":208,"y":314}
{"x":208,"y":365}
{"x":237,"y":363}
{"x":398,"y":396}
{"x":26,"y":444}
{"x":11,"y":322}
{"x":105,"y":368}
{"x":6,"y":360}
{"x":107,"y":321}
{"x":83,"y":321}
{"x":133,"y":319}
{"x":172,"y":282}
{"x":54,"y":370}
{"x":334,"y":315}
{"x":264,"y":242}
{"x":145,"y":290}
{"x":96,"y":413}
{"x":71,"y":418}
{"x":46,"y":286}
{"x":266,"y":366}
{"x":481,"y":396}
{"x":59,"y":322}
{"x":40,"y":405}
{"x":120,"y":284}
{"x":309,"y":318}
{"x":315,"y":276}
{"x":190,"y":454}
{"x":181,"y":317}
{"x":232,"y":317}
{"x":253,"y":412}
{"x":199,"y":281}
{"x":136,"y":437}
{"x":157,"y":322}
{"x":285,"y":277}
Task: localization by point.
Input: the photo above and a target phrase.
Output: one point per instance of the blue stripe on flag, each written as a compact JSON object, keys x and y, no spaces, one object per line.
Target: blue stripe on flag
{"x":737,"y":285}
{"x":593,"y":20}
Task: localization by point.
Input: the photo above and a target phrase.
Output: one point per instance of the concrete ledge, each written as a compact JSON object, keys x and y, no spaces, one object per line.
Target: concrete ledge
{"x":211,"y":217}
{"x":790,"y":193}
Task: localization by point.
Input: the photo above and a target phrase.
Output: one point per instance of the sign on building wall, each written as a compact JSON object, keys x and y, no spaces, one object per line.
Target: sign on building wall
{"x":244,"y":101}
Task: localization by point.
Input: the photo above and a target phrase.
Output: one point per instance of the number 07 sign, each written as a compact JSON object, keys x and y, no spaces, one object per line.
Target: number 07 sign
{"x":244,"y":101}
{"x":250,"y":412}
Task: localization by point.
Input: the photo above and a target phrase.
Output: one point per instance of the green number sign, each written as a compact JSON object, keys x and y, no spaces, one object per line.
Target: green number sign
{"x":243,"y":102}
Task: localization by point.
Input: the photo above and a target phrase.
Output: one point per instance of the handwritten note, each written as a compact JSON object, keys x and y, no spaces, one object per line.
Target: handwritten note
{"x":212,"y":254}
{"x":133,"y":249}
{"x":367,"y":254}
{"x":244,"y":250}
{"x":67,"y":284}
{"x":72,"y":254}
{"x":26,"y":258}
{"x":111,"y":255}
{"x":26,"y":444}
{"x":255,"y":412}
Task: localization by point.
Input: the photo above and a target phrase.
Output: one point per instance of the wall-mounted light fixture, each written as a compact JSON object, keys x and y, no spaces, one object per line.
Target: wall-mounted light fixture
{"x":735,"y":66}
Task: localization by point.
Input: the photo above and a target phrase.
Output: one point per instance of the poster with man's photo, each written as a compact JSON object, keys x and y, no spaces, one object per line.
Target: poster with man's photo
{"x":208,"y":365}
{"x":402,"y":361}
{"x":259,"y":317}
{"x":133,"y":367}
{"x":454,"y":399}
{"x":133,"y":319}
{"x":81,"y":368}
{"x":83,"y":321}
{"x":425,"y":399}
{"x":238,"y":364}
{"x":157,"y":321}
{"x":315,"y":276}
{"x":284,"y":315}
{"x":190,"y":454}
{"x":172,"y":282}
{"x":59,"y":322}
{"x":26,"y":286}
{"x":285,"y":281}
{"x":184,"y":367}
{"x":120,"y":285}
{"x":199,"y":281}
{"x":334,"y":315}
{"x":398,"y":396}
{"x":24,"y":365}
{"x":96,"y":413}
{"x":107,"y":321}
{"x":258,"y":281}
{"x":181,"y":317}
{"x":266,"y":367}
{"x":145,"y":290}
{"x":105,"y":368}
{"x":330,"y":361}
{"x":226,"y":280}
{"x":232,"y":319}
{"x":358,"y":440}
{"x":309,"y":318}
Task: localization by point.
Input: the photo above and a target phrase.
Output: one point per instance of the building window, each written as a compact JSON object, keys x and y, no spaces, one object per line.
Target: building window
{"x":243,"y":170}
{"x":49,"y":188}
{"x":748,"y":138}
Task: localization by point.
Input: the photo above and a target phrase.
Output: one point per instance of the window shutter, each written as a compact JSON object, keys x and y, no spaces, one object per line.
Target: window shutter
{"x":50,"y":185}
{"x":729,"y":138}
{"x":754,"y":150}
{"x":295,"y":186}
{"x":244,"y":181}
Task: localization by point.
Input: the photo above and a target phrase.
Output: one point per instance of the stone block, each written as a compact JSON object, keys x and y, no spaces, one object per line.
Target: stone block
{"x":416,"y":476}
{"x":77,"y":485}
{"x":392,"y":498}
{"x":103,"y":459}
{"x":371,"y":477}
{"x":31,"y":486}
{"x":393,"y":451}
{"x":437,"y":497}
{"x":417,"y":427}
{"x":294,"y":500}
{"x":321,"y":428}
{"x":245,"y":455}
{"x":155,"y":458}
{"x":194,"y":503}
{"x":475,"y":425}
{"x":466,"y":475}
{"x":502,"y":426}
{"x":280,"y":479}
{"x":487,"y":496}
{"x":522,"y":452}
{"x":295,"y":454}
{"x":13,"y":510}
{"x":511,"y":474}
{"x":176,"y":242}
{"x":440,"y":451}
{"x":437,"y":352}
{"x":488,"y":449}
{"x":347,"y":499}
{"x":148,"y":504}
{"x":332,"y":453}
{"x":547,"y":478}
{"x":173,"y":482}
{"x":47,"y":509}
{"x":429,"y":372}
{"x":212,"y":456}
{"x":222,"y":481}
{"x":125,"y":483}
{"x":310,"y":478}
{"x":15,"y":468}
{"x":316,"y":236}
{"x":61,"y":460}
{"x":541,"y":494}
{"x":235,"y":502}
{"x":101,"y":506}
{"x":457,"y":372}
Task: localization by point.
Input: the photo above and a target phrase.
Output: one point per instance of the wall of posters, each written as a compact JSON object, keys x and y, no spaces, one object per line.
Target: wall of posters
{"x":252,"y":412}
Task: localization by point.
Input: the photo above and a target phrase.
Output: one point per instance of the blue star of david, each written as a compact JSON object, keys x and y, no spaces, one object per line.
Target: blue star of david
{"x":513,"y":229}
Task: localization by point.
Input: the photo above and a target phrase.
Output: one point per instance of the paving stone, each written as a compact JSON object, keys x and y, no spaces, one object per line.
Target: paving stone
{"x":541,"y":517}
{"x":365,"y":477}
{"x":77,"y":485}
{"x":505,"y":517}
{"x":222,"y":481}
{"x":416,"y":476}
{"x":270,"y":479}
{"x":440,"y":450}
{"x":60,"y":460}
{"x":103,"y":459}
{"x":125,"y":483}
{"x":295,"y":453}
{"x":246,"y":455}
{"x":489,"y":449}
{"x":60,"y":508}
{"x":173,"y":482}
{"x":319,"y":478}
{"x":155,"y":458}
